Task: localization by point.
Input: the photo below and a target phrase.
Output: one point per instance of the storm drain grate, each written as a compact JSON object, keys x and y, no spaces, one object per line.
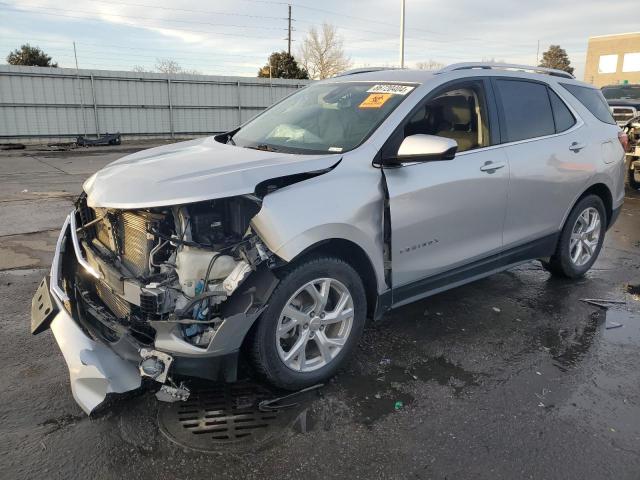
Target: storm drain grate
{"x":219,"y":414}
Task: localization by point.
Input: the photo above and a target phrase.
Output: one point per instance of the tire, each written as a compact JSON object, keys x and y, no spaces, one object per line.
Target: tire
{"x":276,"y":336}
{"x":563,"y":262}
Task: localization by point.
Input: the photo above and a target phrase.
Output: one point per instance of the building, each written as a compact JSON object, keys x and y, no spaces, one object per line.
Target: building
{"x":613,"y":59}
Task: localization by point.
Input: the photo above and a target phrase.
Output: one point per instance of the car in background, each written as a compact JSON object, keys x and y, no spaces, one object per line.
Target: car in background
{"x":624,"y":102}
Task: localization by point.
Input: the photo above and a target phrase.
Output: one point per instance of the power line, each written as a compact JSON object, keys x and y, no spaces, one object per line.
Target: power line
{"x":195,"y":22}
{"x":168,"y":51}
{"x":158,"y":7}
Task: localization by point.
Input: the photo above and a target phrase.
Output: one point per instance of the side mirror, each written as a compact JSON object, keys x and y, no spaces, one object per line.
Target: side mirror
{"x":424,"y":148}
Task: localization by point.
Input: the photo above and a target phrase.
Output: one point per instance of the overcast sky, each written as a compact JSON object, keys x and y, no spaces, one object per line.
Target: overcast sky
{"x":234,"y":37}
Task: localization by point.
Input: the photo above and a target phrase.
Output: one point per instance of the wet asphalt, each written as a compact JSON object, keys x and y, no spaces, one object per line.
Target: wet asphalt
{"x":509,"y":377}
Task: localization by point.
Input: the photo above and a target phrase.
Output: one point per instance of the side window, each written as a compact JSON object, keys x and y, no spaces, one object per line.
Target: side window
{"x":593,"y":100}
{"x":527,"y":110}
{"x":561,"y":114}
{"x":458,"y":113}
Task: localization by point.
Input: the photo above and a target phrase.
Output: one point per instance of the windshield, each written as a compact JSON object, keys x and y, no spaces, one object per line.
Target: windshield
{"x":622,"y":92}
{"x":323,"y":118}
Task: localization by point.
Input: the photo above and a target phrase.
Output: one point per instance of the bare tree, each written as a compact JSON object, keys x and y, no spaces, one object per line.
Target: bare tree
{"x":492,"y":60}
{"x":429,"y":65}
{"x":322,"y":53}
{"x":167,"y":65}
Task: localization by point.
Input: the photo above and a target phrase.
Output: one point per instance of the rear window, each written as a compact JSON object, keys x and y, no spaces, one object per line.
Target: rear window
{"x":527,"y":109}
{"x":561,"y":114}
{"x":593,"y":100}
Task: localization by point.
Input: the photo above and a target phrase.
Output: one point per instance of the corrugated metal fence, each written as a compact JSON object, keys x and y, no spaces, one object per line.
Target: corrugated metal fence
{"x":55,"y":103}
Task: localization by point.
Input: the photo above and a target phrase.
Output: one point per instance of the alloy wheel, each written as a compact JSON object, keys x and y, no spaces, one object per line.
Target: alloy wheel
{"x":314,"y":325}
{"x":585,"y":236}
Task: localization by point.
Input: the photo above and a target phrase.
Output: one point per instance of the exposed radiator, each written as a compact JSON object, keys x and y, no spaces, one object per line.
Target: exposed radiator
{"x":126,"y":234}
{"x":119,"y":307}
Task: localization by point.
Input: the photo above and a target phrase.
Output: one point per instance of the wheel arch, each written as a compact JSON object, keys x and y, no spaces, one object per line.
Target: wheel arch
{"x":601,"y":190}
{"x":352,"y":254}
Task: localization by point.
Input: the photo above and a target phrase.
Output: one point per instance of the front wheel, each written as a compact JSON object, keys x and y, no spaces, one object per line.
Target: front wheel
{"x":312,"y":324}
{"x":580,"y":240}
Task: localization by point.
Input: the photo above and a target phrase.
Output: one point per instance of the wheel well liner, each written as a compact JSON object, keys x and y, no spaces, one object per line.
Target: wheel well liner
{"x":352,"y":254}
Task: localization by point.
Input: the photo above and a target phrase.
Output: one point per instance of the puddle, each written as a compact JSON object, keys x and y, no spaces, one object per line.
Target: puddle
{"x":567,"y":347}
{"x":385,"y":391}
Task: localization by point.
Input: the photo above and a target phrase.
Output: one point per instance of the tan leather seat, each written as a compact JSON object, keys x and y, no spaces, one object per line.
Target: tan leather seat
{"x":457,"y":121}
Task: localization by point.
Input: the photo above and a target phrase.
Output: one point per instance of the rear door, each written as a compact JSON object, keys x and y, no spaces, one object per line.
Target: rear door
{"x":546,"y":145}
{"x":445,"y":214}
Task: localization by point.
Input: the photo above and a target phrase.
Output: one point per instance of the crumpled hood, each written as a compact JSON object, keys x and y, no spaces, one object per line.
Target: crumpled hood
{"x":192,"y":171}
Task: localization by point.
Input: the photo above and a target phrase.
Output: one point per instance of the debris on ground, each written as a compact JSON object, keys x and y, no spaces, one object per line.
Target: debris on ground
{"x":610,"y":325}
{"x":12,"y":146}
{"x":62,"y":146}
{"x":274,"y":403}
{"x":602,"y":302}
{"x":633,"y":289}
{"x":398,"y":405}
{"x":106,"y":139}
{"x":496,"y":309}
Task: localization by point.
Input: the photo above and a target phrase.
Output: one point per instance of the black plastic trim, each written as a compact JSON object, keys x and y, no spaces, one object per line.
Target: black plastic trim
{"x":543,"y":247}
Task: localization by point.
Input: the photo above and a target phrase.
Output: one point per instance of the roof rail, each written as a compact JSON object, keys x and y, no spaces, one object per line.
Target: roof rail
{"x":505,"y":66}
{"x":355,"y":71}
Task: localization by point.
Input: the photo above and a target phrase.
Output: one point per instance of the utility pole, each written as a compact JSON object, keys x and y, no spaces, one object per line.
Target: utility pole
{"x":538,"y":54}
{"x":402,"y":34}
{"x":84,"y":122}
{"x":289,"y":35}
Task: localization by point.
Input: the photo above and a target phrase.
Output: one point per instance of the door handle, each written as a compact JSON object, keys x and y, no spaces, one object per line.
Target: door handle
{"x":491,"y":167}
{"x":576,"y":147}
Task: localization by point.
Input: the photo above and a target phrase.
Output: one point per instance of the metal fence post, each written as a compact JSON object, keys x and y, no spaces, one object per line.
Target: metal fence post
{"x":170,"y":107}
{"x":239,"y":105}
{"x":95,"y":107}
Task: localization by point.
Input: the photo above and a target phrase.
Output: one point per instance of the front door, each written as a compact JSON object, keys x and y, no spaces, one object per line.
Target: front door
{"x":447,"y":214}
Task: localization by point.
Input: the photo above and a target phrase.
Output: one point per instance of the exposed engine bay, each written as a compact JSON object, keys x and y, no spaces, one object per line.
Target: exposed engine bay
{"x":162,"y":277}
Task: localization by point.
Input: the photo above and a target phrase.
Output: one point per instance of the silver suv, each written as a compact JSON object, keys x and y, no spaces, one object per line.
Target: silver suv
{"x":276,"y":241}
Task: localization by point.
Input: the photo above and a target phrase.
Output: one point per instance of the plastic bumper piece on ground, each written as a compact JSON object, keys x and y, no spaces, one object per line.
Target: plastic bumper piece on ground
{"x":94,"y":369}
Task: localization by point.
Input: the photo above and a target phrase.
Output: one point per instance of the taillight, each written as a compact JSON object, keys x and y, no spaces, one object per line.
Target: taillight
{"x":624,"y":140}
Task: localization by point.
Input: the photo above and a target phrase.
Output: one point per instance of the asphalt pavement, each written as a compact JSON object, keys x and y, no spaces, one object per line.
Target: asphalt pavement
{"x":513,"y":376}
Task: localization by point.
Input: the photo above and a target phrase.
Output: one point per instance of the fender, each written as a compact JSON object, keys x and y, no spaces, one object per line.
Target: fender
{"x":344,"y":203}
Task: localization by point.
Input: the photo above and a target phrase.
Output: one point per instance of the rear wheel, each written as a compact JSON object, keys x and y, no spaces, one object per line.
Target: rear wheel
{"x":312,"y":324}
{"x":581,"y":239}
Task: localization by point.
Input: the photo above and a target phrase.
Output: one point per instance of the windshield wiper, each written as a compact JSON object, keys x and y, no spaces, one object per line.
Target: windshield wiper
{"x":264,"y":147}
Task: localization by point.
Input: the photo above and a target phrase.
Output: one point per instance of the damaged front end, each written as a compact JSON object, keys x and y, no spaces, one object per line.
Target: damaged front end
{"x":163,"y":293}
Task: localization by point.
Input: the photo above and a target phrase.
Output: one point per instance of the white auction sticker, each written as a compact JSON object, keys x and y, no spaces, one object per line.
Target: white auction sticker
{"x":389,"y":88}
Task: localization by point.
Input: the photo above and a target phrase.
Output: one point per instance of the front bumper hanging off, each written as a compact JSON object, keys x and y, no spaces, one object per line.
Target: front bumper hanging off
{"x":94,"y":369}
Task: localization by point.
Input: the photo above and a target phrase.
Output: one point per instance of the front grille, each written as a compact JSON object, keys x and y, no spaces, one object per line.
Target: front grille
{"x":623,"y":114}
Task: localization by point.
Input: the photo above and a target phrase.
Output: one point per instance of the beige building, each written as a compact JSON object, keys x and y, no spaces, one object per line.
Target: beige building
{"x":613,"y":59}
